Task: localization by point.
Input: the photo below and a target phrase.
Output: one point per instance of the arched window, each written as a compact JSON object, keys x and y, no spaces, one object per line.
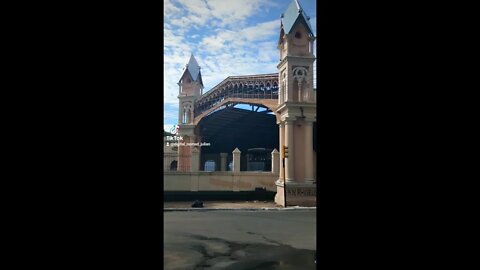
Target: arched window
{"x":209,"y":166}
{"x":173,"y":166}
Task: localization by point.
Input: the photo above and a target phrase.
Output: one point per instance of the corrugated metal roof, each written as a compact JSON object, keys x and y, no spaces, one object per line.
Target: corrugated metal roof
{"x":293,"y":12}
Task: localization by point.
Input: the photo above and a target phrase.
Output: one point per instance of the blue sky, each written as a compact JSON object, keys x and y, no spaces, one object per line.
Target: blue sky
{"x":227,"y":37}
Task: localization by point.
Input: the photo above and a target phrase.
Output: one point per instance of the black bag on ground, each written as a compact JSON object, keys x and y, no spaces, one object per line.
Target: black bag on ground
{"x":197,"y":204}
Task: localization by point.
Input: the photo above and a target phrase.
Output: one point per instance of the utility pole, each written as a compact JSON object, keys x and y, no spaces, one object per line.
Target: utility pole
{"x":284,"y":155}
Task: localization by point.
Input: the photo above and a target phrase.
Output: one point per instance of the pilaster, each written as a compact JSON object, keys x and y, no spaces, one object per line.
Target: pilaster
{"x":275,"y":162}
{"x":309,"y":151}
{"x":282,"y":142}
{"x":289,"y":170}
{"x":236,"y":160}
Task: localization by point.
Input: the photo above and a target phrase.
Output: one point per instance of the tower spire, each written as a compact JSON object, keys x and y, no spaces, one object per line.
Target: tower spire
{"x":193,"y":69}
{"x":293,"y":13}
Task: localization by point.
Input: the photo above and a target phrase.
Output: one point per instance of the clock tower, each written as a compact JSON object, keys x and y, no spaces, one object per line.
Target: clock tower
{"x":296,"y":110}
{"x":190,"y":88}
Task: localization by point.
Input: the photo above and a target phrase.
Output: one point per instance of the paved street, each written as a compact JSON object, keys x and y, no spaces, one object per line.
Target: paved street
{"x":240,"y":240}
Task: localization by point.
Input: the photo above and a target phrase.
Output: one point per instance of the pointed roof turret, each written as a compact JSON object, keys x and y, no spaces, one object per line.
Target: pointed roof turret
{"x":292,"y":14}
{"x":193,"y":69}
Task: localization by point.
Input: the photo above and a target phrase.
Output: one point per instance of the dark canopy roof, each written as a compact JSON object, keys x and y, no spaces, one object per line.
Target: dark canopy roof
{"x":231,"y":127}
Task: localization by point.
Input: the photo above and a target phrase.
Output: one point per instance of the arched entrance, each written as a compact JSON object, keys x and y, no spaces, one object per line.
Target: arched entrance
{"x":250,"y":128}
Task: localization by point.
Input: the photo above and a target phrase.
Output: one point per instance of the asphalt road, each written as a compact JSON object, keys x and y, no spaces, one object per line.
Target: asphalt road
{"x":240,"y":240}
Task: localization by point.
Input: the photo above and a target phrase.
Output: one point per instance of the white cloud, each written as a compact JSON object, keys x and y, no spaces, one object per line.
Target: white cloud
{"x":235,"y":40}
{"x":234,"y":12}
{"x":169,"y":9}
{"x":174,"y":41}
{"x":213,"y":44}
{"x":230,"y":12}
{"x":197,"y":11}
{"x":198,"y":7}
{"x":262,"y":31}
{"x":226,"y":53}
{"x":181,"y":22}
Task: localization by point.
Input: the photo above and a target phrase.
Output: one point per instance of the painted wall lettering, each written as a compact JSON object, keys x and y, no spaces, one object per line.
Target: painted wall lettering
{"x":302,"y":192}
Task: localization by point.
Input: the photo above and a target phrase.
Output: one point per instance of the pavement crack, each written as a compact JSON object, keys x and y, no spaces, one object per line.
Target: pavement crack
{"x":245,"y":255}
{"x":267,"y":239}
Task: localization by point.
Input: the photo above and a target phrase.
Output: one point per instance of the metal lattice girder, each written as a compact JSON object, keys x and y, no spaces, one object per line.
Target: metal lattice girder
{"x":263,"y":86}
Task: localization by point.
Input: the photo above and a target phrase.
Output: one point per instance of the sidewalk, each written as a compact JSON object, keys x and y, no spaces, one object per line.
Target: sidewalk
{"x":222,"y":205}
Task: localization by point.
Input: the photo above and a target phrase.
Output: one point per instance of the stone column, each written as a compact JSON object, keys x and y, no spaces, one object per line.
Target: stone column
{"x":289,"y":170}
{"x":280,"y":89}
{"x":223,"y":162}
{"x":275,"y":162}
{"x":195,"y":160}
{"x":300,"y":90}
{"x":180,"y":114}
{"x":183,"y":164}
{"x":309,"y":152}
{"x":188,"y":115}
{"x":180,"y":158}
{"x":286,"y":93}
{"x":307,"y":92}
{"x":291,"y":93}
{"x":236,"y":160}
{"x":282,"y":142}
{"x":199,"y":148}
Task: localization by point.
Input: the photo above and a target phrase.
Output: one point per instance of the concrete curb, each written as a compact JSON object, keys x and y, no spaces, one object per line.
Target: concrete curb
{"x":239,"y":209}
